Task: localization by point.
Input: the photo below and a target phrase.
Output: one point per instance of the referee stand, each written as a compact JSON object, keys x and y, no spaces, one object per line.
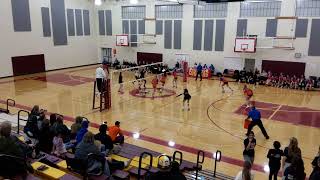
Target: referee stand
{"x":104,"y":96}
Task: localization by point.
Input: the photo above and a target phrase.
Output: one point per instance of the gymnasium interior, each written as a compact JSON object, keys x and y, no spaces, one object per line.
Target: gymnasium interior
{"x":184,"y":85}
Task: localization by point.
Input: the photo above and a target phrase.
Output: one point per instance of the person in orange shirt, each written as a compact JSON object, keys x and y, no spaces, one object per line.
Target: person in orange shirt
{"x":248,"y":93}
{"x":116,"y":134}
{"x":175,"y":78}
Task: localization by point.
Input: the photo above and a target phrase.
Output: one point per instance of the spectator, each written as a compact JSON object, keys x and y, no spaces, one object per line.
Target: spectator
{"x":315,"y":175}
{"x":53,"y":119}
{"x":31,"y":130}
{"x":87,"y":146}
{"x":274,"y":156}
{"x":58,"y":147}
{"x":249,"y":145}
{"x":82,"y":131}
{"x":63,"y":129}
{"x":116,"y":134}
{"x":296,"y":170}
{"x":164,"y":169}
{"x":104,"y":138}
{"x":175,"y":171}
{"x":75,"y":127}
{"x":35,"y":111}
{"x":314,"y":162}
{"x":245,"y":174}
{"x":9,"y":146}
{"x":289,"y":152}
{"x":45,"y":138}
{"x":255,"y":115}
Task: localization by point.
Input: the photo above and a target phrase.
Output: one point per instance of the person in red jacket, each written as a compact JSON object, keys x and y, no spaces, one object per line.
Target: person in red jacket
{"x":248,"y":93}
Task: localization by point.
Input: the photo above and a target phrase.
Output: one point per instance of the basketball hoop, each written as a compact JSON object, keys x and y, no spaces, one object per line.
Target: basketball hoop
{"x":245,"y":44}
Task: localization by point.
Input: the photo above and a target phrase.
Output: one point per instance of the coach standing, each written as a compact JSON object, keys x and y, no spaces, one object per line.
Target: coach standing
{"x":255,"y":115}
{"x":101,"y":75}
{"x":199,"y":71}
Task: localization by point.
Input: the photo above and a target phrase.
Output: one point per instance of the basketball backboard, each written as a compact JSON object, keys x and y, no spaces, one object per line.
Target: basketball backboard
{"x":122,"y":40}
{"x":246,"y":45}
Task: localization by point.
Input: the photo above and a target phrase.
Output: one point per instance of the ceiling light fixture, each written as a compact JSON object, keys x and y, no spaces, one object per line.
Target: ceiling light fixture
{"x":98,"y":2}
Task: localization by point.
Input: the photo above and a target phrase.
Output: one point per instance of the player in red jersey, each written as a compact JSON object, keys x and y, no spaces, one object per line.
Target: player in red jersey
{"x":175,"y":78}
{"x":248,"y":93}
{"x":163,"y":81}
{"x":154,"y":83}
{"x":224,"y":82}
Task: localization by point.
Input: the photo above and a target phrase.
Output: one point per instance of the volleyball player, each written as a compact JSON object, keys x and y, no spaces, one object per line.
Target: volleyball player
{"x":224,"y":82}
{"x":175,"y":78}
{"x":163,"y":81}
{"x":154,"y":83}
{"x":186,"y":98}
{"x":248,"y":94}
{"x":120,"y":83}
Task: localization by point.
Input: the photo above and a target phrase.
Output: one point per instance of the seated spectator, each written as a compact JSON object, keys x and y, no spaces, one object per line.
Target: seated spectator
{"x":104,"y":138}
{"x":58,"y":147}
{"x":314,"y":162}
{"x":175,"y":171}
{"x":82,"y":131}
{"x":245,"y":174}
{"x":274,"y":156}
{"x":116,"y":134}
{"x":75,"y":127}
{"x":296,"y":170}
{"x":315,"y":175}
{"x":289,"y":152}
{"x":87,"y":146}
{"x":31,"y":130}
{"x":53,"y":119}
{"x":9,"y":146}
{"x":164,"y":170}
{"x":64,"y":130}
{"x":45,"y":137}
{"x":35,"y":111}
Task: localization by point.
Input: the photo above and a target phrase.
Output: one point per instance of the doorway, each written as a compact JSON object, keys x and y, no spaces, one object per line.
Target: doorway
{"x":249,"y":64}
{"x":107,"y":54}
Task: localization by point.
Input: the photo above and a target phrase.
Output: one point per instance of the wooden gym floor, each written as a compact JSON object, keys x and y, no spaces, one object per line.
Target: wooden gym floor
{"x":215,"y":121}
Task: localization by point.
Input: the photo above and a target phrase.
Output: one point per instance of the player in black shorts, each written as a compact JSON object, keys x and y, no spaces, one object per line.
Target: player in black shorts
{"x":186,"y":98}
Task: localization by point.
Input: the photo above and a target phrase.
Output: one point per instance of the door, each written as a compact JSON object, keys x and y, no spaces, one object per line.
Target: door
{"x":107,"y":54}
{"x":249,"y":64}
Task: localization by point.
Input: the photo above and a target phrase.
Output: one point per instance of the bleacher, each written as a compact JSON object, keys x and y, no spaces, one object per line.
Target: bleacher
{"x":143,"y":161}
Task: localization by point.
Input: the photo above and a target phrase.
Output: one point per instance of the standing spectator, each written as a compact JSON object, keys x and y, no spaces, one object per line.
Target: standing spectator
{"x":104,"y":138}
{"x":120,"y":83}
{"x":245,"y":174}
{"x":116,"y":134}
{"x":289,"y":152}
{"x":249,"y":145}
{"x":314,"y":162}
{"x":315,"y":175}
{"x":274,"y":156}
{"x":199,"y":72}
{"x":75,"y":127}
{"x":255,"y":115}
{"x":296,"y":170}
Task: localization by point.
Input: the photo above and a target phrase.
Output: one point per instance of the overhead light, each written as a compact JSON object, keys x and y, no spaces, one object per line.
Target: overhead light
{"x":136,"y":135}
{"x":98,"y":2}
{"x":133,"y":1}
{"x":171,"y":143}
